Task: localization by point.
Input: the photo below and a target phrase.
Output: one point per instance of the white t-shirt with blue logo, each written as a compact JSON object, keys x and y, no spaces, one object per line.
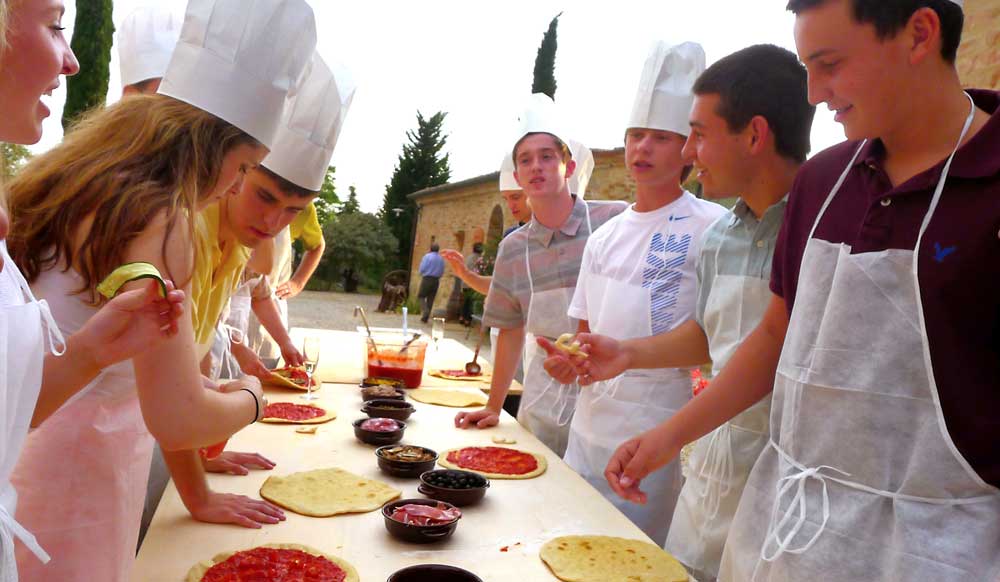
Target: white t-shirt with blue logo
{"x":657,"y":250}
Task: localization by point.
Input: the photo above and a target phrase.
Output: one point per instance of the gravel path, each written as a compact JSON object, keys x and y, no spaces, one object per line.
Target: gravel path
{"x":332,"y":310}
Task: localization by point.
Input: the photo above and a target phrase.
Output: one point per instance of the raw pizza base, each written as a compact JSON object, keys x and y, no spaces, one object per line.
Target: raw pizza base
{"x":484,"y":377}
{"x":327,"y":492}
{"x":542,"y":465}
{"x":196,"y":573}
{"x":601,"y":558}
{"x":327,"y":417}
{"x":453,"y":398}
{"x":282,"y":382}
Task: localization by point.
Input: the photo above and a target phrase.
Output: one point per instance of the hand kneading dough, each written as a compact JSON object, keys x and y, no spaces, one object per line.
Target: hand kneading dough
{"x":603,"y":558}
{"x":196,"y":573}
{"x":453,"y":398}
{"x":326,"y":492}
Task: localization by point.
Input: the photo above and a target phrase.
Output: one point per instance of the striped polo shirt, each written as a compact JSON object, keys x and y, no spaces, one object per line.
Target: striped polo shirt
{"x":554,"y":255}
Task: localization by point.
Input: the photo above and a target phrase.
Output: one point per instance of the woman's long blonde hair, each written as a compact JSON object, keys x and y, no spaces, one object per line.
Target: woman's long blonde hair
{"x":123,"y":166}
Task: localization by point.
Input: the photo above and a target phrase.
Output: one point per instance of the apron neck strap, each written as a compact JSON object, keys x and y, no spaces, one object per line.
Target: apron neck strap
{"x":57,"y":344}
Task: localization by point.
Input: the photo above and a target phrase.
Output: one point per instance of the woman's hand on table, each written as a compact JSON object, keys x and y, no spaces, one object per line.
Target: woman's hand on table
{"x":236,"y":509}
{"x":291,"y":355}
{"x":235,"y":463}
{"x":482,"y":418}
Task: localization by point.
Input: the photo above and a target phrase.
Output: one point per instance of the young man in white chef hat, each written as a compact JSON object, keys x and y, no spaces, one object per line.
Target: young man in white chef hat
{"x":880,"y":341}
{"x":535,"y":275}
{"x":638,"y":278}
{"x":749,"y":134}
{"x":146,"y":40}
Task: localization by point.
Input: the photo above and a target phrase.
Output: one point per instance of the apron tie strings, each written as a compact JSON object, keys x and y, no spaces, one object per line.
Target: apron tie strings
{"x":797,"y":508}
{"x":717,"y":468}
{"x":9,"y":529}
{"x":57,"y":343}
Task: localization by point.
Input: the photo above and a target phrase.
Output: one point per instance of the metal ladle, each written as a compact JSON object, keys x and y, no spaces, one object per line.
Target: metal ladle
{"x":371,"y":341}
{"x":416,"y":336}
{"x":472,"y":368}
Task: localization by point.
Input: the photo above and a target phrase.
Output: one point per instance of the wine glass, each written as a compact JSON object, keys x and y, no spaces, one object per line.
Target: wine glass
{"x":437,"y":331}
{"x":310,"y":359}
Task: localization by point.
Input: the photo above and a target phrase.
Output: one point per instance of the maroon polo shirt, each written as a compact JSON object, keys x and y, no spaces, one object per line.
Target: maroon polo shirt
{"x":959,"y":263}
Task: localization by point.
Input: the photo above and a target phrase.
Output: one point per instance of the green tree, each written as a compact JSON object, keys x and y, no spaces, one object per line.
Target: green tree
{"x":545,"y":62}
{"x":357,"y":243}
{"x":420,"y":166}
{"x":93,"y":34}
{"x":351,"y":206}
{"x":327,"y":201}
{"x":12,"y":156}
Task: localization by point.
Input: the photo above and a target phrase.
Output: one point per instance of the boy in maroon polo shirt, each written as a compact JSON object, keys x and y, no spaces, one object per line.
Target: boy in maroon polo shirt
{"x":882,"y":340}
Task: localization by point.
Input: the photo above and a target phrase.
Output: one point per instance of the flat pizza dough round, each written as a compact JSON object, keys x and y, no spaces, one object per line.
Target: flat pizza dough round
{"x":542,"y":465}
{"x":601,"y":558}
{"x":326,"y":492}
{"x":484,"y":377}
{"x":197,"y":572}
{"x":277,"y":380}
{"x":328,"y":415}
{"x":453,"y":398}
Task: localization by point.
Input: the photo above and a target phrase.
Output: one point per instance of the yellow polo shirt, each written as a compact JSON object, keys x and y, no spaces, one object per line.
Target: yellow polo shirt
{"x":306,"y":227}
{"x":217,"y":273}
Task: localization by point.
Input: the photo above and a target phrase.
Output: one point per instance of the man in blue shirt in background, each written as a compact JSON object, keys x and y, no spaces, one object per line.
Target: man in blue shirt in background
{"x":431,"y":269}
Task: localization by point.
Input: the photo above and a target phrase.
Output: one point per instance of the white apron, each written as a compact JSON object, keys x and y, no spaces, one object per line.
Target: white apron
{"x":721,"y":461}
{"x":612,"y":411}
{"x":861,"y":480}
{"x":27,"y":332}
{"x":546,"y":405}
{"x":82,"y":476}
{"x":233,"y":327}
{"x":259,"y":340}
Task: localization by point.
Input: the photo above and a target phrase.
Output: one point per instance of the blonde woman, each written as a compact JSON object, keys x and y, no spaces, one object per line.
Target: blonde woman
{"x":33,"y":380}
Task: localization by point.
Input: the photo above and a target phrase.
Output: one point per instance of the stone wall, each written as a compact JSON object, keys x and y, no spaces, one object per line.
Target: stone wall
{"x":979,"y":55}
{"x":456,"y":215}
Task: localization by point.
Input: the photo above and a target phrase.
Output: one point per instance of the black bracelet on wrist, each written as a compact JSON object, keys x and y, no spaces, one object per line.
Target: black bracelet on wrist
{"x":256,"y":405}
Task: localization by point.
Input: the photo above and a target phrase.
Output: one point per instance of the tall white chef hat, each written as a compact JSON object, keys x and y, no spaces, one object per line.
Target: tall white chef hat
{"x":146,"y":39}
{"x":239,"y":60}
{"x":584,"y":159}
{"x":507,"y":181}
{"x":663,"y":100}
{"x":540,"y":115}
{"x":961,"y":3}
{"x":313,"y":118}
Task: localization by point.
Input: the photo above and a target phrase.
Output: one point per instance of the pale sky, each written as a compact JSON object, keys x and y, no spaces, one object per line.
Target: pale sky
{"x":474,"y":60}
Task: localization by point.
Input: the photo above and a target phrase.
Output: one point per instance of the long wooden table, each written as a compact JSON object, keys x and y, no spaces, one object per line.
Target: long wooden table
{"x":342,"y":360}
{"x":497,"y":539}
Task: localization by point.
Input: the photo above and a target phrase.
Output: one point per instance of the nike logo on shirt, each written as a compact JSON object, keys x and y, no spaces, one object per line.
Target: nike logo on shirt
{"x":678,"y":218}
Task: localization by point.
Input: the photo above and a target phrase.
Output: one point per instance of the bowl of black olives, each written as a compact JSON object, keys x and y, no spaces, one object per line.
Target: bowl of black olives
{"x":459,"y":488}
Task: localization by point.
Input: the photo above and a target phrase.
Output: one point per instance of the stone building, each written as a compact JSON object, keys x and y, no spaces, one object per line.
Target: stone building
{"x":460,"y":214}
{"x":979,"y":55}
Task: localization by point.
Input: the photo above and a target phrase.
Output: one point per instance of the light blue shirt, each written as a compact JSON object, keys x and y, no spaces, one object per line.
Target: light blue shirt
{"x":432,"y":265}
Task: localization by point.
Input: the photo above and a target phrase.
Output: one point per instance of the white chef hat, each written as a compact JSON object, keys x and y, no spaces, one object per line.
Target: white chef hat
{"x":540,"y":115}
{"x":664,"y":99}
{"x":961,"y":3}
{"x":584,"y":159}
{"x":146,"y":39}
{"x":507,"y":181}
{"x":313,"y":118}
{"x":239,"y":60}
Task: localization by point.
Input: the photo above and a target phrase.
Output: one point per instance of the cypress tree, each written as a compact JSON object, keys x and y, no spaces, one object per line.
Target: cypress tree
{"x":420,"y":166}
{"x":545,"y":62}
{"x":93,"y":35}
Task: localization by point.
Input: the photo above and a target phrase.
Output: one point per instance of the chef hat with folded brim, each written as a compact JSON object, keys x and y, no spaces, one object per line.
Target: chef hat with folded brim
{"x":540,"y":115}
{"x":664,"y":99}
{"x":239,"y":60}
{"x":507,"y":181}
{"x":311,"y":125}
{"x":146,"y":40}
{"x":584,"y":159}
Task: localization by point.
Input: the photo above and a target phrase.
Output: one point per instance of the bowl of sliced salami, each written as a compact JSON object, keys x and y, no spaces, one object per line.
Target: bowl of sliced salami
{"x":420,"y":521}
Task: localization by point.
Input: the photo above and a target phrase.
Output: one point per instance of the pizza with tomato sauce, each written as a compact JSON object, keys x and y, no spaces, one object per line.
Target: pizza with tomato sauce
{"x":291,"y":413}
{"x":290,"y":377}
{"x":495,"y":462}
{"x":274,"y":563}
{"x":461,"y":375}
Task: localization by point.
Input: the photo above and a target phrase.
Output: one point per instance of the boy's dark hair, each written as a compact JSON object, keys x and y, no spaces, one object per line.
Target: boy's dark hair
{"x":477,"y":247}
{"x":435,"y":247}
{"x":564,"y":150}
{"x":288,"y":187}
{"x":768,"y":81}
{"x":890,"y":16}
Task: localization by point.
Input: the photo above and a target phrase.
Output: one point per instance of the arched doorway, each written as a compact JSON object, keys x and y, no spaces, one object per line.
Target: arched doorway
{"x":493,"y":234}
